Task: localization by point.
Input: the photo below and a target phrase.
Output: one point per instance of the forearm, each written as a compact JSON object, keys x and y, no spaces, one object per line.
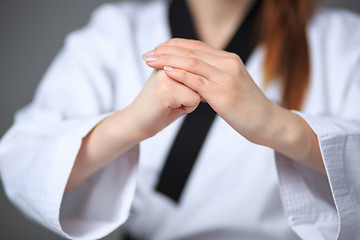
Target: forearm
{"x":159,"y":103}
{"x":289,"y":134}
{"x":108,"y":140}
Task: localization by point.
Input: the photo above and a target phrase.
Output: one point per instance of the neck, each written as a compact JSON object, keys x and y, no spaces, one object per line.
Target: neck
{"x":217,"y":20}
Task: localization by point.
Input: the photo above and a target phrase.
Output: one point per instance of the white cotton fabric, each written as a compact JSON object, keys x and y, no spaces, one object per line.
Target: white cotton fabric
{"x":237,"y":190}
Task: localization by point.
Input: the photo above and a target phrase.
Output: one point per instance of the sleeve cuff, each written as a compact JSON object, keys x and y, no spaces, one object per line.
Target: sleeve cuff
{"x":101,"y":204}
{"x":315,"y":204}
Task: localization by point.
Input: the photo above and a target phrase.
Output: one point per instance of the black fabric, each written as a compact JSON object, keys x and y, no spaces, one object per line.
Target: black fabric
{"x":192,"y":134}
{"x":195,"y":127}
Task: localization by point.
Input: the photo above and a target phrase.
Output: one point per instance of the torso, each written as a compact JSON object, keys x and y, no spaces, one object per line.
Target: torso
{"x":233,"y":191}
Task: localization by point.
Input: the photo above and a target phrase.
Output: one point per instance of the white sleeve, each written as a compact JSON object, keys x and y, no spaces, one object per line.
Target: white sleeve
{"x":38,"y":152}
{"x":327,"y":207}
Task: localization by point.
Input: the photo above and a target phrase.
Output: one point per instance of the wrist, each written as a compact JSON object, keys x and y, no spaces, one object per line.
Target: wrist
{"x":124,"y":130}
{"x":288,"y":133}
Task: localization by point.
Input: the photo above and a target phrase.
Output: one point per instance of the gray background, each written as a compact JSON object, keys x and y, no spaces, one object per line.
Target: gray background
{"x":31,"y":33}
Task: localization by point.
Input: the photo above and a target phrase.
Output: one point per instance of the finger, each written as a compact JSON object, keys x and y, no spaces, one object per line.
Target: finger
{"x":189,"y":51}
{"x":194,"y":44}
{"x":184,"y":98}
{"x":190,"y":80}
{"x":189,"y":64}
{"x":210,"y":58}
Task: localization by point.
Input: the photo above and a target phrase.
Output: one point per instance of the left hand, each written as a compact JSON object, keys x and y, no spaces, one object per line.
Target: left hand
{"x":222,"y":81}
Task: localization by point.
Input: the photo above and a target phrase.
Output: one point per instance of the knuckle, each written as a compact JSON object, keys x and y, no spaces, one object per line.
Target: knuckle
{"x":200,"y":81}
{"x":194,"y":101}
{"x":161,"y":50}
{"x":173,"y":41}
{"x":162,"y":59}
{"x":196,"y":43}
{"x":197,"y":99}
{"x":234,"y":56}
{"x":189,"y":53}
{"x":182,"y":75}
{"x":193,"y":62}
{"x":163,"y":83}
{"x":189,"y":109}
{"x":234,"y":64}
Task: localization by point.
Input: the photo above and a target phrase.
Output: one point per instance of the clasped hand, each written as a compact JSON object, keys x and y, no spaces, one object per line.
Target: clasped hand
{"x":198,"y":71}
{"x":187,"y":72}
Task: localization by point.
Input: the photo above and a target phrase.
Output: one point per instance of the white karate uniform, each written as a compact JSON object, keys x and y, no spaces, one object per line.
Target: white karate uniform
{"x":237,"y":190}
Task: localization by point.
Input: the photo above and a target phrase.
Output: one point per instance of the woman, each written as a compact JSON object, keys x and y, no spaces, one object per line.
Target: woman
{"x":82,"y":132}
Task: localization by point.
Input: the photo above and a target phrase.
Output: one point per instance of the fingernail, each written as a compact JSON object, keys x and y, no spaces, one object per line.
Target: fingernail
{"x":167,"y":68}
{"x":149,"y":58}
{"x":150,"y":53}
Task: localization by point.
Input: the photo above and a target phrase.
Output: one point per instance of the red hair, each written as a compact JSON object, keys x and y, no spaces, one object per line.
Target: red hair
{"x":283,"y":28}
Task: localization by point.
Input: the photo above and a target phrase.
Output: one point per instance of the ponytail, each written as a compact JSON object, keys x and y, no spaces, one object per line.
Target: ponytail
{"x":283,"y":28}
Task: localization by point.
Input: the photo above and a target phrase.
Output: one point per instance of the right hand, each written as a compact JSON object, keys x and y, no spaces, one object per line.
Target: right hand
{"x":160,"y":102}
